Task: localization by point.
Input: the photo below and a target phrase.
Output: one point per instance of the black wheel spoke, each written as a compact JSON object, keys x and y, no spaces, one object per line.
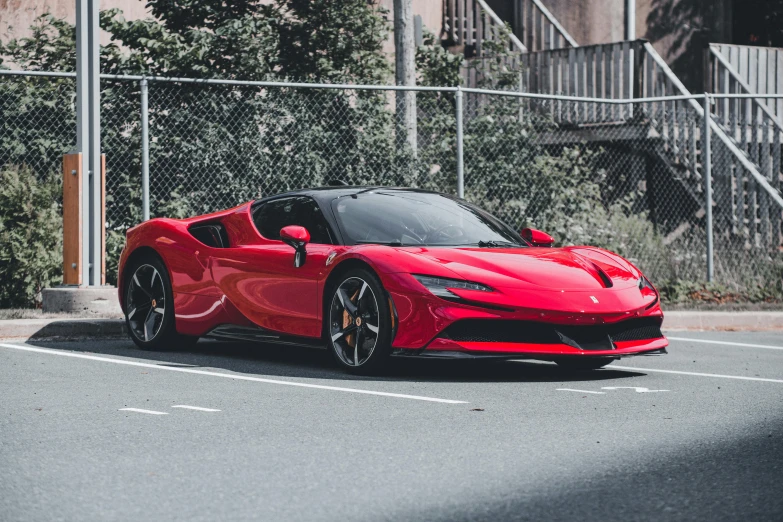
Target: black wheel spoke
{"x":345,"y":300}
{"x":138,"y":285}
{"x":149,"y":324}
{"x":342,"y":333}
{"x":356,"y":346}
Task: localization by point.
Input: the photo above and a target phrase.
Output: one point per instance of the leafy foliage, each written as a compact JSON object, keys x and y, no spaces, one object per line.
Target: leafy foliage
{"x":217,"y":144}
{"x":30,"y":235}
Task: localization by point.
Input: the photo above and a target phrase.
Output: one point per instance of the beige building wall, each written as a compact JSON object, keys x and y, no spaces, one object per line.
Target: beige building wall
{"x":16,"y":16}
{"x":678,"y":29}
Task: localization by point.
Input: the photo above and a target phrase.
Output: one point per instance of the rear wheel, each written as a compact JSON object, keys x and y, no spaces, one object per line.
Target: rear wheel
{"x":359,"y":322}
{"x":583,"y":364}
{"x":149,"y":307}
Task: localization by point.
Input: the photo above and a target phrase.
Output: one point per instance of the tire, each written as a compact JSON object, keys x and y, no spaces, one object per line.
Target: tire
{"x":583,"y":364}
{"x":358,"y":322}
{"x":148,"y":291}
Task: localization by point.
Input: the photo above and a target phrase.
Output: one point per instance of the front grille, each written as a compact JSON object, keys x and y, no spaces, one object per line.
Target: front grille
{"x":588,"y":337}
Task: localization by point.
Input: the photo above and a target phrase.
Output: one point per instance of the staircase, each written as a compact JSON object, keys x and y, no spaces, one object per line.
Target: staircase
{"x":746,"y":133}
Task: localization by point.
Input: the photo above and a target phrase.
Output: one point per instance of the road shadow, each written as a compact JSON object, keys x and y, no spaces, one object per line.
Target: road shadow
{"x":292,"y":361}
{"x":731,"y":477}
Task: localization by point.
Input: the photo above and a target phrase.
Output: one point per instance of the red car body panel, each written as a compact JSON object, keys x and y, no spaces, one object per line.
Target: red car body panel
{"x":253,"y":282}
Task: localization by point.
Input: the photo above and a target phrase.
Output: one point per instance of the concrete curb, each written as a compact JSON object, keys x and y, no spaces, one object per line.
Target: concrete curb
{"x":723,"y":321}
{"x":62,"y":329}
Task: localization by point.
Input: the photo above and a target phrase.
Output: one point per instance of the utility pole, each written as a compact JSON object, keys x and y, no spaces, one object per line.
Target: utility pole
{"x":630,"y":19}
{"x":405,"y":73}
{"x":83,"y":186}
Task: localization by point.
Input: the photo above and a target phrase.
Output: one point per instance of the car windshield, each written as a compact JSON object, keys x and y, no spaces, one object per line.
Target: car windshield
{"x":401,"y":218}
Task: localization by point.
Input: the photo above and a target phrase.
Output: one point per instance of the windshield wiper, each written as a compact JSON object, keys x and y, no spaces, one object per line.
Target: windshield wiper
{"x":496,"y":244}
{"x":395,"y":242}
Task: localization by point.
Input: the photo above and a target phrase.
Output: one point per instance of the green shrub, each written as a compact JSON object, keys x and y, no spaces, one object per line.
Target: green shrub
{"x":30,"y":236}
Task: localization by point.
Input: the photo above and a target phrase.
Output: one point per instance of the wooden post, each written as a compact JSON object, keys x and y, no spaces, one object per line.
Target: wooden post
{"x":72,"y":219}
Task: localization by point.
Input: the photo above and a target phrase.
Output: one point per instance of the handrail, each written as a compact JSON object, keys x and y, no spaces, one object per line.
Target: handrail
{"x":736,"y":77}
{"x":552,"y":20}
{"x":495,"y":18}
{"x":663,"y":67}
{"x":716,"y":129}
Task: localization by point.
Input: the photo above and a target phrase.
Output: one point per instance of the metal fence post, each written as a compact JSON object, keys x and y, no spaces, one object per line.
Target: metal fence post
{"x":145,"y":151}
{"x":460,"y":165}
{"x":83,"y":132}
{"x":706,"y":160}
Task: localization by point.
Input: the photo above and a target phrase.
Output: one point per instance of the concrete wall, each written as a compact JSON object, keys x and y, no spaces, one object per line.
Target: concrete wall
{"x":678,"y":29}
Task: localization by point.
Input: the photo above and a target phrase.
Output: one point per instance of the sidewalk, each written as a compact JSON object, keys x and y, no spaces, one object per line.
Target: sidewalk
{"x":62,"y":328}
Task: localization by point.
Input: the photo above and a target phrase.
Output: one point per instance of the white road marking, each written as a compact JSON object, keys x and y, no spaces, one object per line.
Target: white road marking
{"x":226,"y":375}
{"x":696,"y":374}
{"x":638,"y":389}
{"x":581,"y":391}
{"x":151,"y":412}
{"x":197,"y":408}
{"x":726,"y":343}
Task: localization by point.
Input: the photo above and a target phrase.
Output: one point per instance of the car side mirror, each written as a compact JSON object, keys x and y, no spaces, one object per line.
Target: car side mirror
{"x":297,"y":237}
{"x":537,"y":238}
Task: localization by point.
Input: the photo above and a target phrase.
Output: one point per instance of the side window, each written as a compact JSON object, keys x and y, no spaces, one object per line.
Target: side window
{"x":270,"y":217}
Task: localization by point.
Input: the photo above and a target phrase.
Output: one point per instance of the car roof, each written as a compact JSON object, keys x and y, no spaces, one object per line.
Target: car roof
{"x":323,"y":194}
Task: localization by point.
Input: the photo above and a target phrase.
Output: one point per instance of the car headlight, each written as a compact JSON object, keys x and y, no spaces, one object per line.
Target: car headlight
{"x":645,"y":283}
{"x":440,"y":286}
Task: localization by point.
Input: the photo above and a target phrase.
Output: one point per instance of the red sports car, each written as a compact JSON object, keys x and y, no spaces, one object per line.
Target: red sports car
{"x":372,"y":272}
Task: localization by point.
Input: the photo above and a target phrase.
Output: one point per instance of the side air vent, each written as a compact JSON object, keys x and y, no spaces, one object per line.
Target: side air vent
{"x":211,"y":234}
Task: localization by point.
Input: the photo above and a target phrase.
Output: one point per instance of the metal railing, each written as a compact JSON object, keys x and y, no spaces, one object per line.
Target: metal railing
{"x":760,"y":69}
{"x":472,"y":23}
{"x":532,"y":28}
{"x":539,"y":29}
{"x":179,"y":146}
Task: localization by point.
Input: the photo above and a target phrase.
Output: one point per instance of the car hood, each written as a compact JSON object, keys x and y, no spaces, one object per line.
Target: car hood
{"x":569,"y":268}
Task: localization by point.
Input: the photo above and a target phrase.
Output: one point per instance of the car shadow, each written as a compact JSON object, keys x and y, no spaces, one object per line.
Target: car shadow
{"x":292,"y":361}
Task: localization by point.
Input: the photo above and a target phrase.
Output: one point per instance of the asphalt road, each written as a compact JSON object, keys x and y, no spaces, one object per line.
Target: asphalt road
{"x":693,"y":435}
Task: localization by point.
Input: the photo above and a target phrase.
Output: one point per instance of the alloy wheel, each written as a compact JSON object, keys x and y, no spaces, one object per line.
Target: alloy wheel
{"x":354,"y":321}
{"x":145,"y":303}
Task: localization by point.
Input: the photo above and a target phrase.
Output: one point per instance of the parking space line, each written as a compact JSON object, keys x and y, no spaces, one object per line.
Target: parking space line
{"x":48,"y":351}
{"x":197,"y":408}
{"x":696,"y":374}
{"x":138,"y":410}
{"x":581,"y":391}
{"x":726,"y":343}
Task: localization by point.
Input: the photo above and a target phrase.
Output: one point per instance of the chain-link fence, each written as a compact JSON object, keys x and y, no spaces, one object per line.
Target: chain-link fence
{"x":626,"y":175}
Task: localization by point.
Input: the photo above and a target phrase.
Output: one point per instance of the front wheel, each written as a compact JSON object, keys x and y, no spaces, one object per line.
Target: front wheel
{"x":583,"y":364}
{"x":359,"y":326}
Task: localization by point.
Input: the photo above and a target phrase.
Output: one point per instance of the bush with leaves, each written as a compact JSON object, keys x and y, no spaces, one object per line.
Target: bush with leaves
{"x":30,"y":236}
{"x":215,"y":145}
